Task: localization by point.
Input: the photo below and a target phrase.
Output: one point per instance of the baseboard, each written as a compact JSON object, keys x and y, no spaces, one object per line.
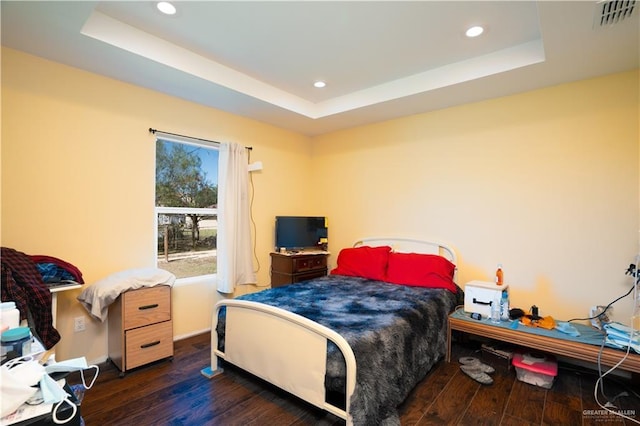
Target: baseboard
{"x":592,"y":366}
{"x":100,"y":360}
{"x":193,"y":333}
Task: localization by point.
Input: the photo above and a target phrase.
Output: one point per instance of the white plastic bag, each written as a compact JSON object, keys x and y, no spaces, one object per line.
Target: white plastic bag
{"x":17,"y":377}
{"x":20,"y":376}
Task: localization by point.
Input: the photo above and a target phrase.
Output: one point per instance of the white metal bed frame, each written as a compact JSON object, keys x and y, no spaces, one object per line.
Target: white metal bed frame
{"x":289,"y":350}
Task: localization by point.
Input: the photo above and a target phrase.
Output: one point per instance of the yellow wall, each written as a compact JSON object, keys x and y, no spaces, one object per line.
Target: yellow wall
{"x":544,"y":182}
{"x":78,"y":177}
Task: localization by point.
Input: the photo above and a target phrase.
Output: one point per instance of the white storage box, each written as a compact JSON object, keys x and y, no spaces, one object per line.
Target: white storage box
{"x":536,"y":369}
{"x":479,"y":295}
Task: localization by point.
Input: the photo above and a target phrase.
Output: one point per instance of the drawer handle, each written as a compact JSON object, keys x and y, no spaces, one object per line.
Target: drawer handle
{"x":148,"y":345}
{"x":142,"y":308}
{"x":478,"y":302}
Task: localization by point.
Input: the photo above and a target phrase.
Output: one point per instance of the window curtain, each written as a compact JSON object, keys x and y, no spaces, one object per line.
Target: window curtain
{"x":235,"y":260}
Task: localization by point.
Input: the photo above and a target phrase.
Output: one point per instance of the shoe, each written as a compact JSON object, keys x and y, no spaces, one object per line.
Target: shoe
{"x":477,"y":374}
{"x":475,"y":362}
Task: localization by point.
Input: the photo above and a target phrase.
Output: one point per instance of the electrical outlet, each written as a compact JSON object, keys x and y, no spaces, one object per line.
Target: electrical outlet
{"x":78,"y":324}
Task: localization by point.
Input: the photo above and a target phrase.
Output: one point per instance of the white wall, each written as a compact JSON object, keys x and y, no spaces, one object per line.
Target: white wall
{"x":78,"y":176}
{"x":544,"y":182}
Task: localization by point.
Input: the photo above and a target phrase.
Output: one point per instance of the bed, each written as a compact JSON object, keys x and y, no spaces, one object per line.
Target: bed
{"x":353,"y":343}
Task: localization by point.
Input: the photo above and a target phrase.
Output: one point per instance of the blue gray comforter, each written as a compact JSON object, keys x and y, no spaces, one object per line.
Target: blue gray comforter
{"x":397,"y":334}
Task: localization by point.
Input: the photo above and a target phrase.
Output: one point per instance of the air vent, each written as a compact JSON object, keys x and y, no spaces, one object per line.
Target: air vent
{"x":611,"y":12}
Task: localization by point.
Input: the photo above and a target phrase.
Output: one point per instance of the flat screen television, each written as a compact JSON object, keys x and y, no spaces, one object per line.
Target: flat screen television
{"x":301,"y":232}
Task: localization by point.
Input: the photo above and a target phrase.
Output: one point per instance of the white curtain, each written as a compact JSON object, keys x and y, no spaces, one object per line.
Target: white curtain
{"x":235,"y":259}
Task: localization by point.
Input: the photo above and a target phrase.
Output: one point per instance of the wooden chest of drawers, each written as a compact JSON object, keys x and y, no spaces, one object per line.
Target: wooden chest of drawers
{"x":293,"y":268}
{"x":140,"y":327}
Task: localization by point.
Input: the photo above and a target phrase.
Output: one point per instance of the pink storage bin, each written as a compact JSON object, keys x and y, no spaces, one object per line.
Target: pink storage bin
{"x":535,"y":368}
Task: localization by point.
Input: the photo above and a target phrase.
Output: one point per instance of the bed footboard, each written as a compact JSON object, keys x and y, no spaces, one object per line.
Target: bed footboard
{"x":282,"y":348}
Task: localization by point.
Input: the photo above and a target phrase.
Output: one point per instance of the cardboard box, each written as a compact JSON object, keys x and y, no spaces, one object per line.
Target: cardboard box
{"x":535,"y":368}
{"x":479,"y":295}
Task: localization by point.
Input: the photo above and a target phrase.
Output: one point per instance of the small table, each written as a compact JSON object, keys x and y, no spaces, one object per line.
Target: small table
{"x":55,"y":289}
{"x":585,"y":347}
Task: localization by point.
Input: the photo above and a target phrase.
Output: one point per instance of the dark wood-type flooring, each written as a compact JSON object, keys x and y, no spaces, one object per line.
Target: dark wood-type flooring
{"x":175,"y":393}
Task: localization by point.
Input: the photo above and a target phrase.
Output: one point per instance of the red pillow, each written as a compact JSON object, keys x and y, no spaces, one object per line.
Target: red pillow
{"x":421,"y":270}
{"x":364,"y":261}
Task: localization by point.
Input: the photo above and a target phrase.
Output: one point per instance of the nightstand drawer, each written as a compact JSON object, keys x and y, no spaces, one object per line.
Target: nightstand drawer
{"x":309,"y":275}
{"x":309,"y":263}
{"x":147,"y":344}
{"x":146,"y":306}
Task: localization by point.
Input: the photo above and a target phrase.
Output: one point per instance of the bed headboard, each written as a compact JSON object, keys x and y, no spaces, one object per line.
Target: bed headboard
{"x":408,"y":245}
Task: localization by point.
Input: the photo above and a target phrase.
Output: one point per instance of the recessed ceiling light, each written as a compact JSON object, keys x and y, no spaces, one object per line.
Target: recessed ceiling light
{"x":166,"y":8}
{"x":319,"y":84}
{"x":474,"y":31}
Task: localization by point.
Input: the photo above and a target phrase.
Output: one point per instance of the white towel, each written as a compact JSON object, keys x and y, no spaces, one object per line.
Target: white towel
{"x":97,"y":297}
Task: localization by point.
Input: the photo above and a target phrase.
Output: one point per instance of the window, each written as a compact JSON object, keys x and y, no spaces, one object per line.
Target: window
{"x":186,"y":207}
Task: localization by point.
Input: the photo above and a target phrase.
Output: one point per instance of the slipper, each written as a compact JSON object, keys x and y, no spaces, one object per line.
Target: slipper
{"x":476,"y":374}
{"x":475,"y":362}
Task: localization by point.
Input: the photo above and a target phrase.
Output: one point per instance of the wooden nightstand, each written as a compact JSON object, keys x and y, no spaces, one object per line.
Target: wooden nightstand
{"x":292,"y":268}
{"x":140,"y":327}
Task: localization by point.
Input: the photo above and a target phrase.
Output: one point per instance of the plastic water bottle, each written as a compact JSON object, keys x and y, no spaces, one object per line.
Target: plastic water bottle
{"x":504,"y":306}
{"x":495,"y":311}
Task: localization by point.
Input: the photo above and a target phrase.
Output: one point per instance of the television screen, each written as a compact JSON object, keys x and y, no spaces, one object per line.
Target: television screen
{"x":300,"y":232}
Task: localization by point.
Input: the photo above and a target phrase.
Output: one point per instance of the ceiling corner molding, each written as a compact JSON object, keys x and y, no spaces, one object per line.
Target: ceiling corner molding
{"x":123,"y":36}
{"x":504,"y":60}
{"x":118,"y":34}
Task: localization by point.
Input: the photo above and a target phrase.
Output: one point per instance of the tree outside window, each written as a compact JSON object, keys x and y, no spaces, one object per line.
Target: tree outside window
{"x":186,"y":207}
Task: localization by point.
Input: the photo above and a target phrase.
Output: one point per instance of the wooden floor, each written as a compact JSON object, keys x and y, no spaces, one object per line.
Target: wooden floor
{"x":175,"y":393}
